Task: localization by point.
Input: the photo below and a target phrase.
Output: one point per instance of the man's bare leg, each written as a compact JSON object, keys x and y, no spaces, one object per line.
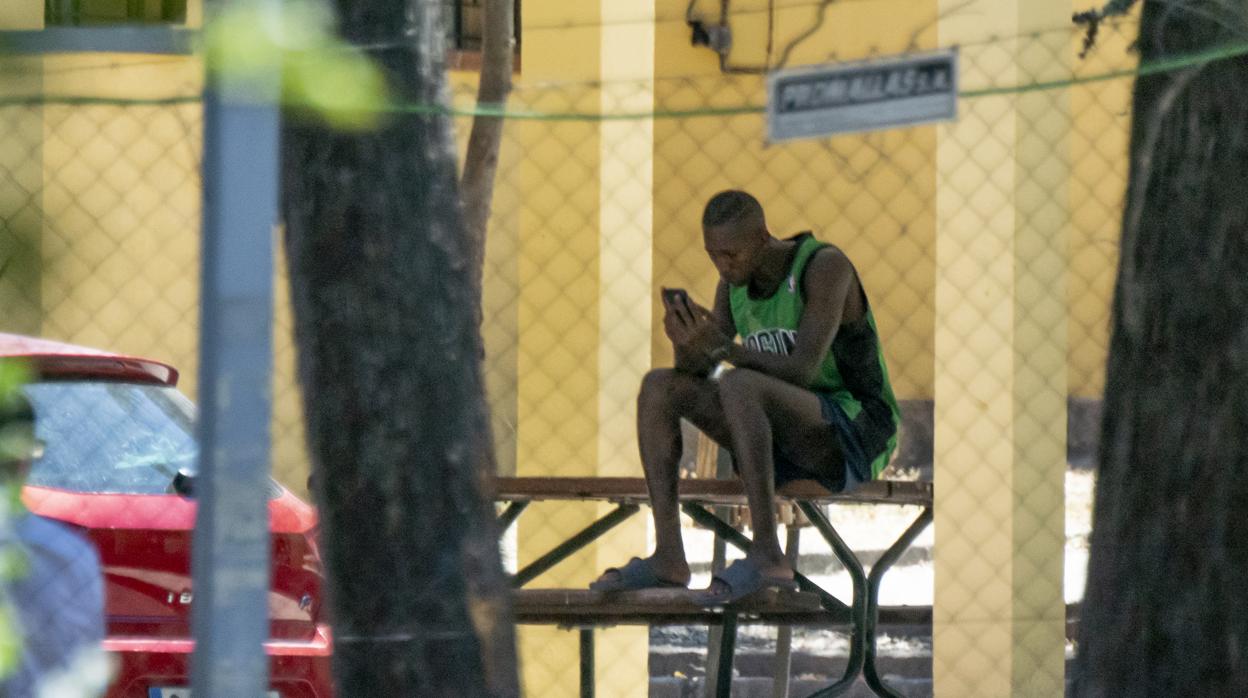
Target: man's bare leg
{"x":760,"y":410}
{"x":666,"y":396}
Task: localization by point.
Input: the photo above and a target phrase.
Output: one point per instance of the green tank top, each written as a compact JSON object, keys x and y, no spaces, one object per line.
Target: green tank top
{"x":853,"y":374}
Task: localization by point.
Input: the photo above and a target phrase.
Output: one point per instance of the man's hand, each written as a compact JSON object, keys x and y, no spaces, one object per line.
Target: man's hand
{"x":693,"y":330}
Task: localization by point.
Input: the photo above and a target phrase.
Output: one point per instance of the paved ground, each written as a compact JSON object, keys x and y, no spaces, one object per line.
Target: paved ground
{"x":678,"y":660}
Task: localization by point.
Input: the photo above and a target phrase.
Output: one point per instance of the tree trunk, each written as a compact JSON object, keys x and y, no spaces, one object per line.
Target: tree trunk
{"x":1165,"y":611}
{"x":481,"y":160}
{"x":389,"y":363}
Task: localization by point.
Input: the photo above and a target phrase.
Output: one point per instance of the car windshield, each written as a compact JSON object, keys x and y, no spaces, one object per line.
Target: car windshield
{"x":111,"y":437}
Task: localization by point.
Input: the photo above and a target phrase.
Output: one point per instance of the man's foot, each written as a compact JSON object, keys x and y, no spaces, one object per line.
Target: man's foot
{"x":641,"y":574}
{"x":743,"y":578}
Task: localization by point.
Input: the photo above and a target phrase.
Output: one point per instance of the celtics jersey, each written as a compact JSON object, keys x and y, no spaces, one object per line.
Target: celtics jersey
{"x":853,"y":374}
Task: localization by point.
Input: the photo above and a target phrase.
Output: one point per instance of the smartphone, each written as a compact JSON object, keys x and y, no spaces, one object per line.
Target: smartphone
{"x":674,"y":296}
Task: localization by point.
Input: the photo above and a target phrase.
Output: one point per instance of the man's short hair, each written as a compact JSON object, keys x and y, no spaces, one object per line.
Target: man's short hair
{"x":733,"y":207}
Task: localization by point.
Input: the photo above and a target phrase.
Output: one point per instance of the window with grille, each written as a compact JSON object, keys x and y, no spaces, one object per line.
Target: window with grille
{"x":465,"y":19}
{"x":74,"y":13}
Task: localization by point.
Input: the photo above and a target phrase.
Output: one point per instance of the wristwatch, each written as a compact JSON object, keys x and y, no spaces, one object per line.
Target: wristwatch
{"x":718,"y":354}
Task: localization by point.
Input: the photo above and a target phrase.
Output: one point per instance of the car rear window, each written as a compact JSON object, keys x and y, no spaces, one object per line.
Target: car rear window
{"x":111,"y":437}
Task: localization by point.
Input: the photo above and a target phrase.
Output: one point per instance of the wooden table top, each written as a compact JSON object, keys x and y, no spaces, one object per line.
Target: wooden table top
{"x":633,"y":490}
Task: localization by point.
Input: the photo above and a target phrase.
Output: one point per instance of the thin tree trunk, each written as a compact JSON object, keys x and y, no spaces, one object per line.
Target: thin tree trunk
{"x":1165,"y":612}
{"x":389,"y":363}
{"x":481,"y":160}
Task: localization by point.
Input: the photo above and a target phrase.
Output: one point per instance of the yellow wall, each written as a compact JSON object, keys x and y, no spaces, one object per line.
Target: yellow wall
{"x":1098,"y":185}
{"x":122,"y":208}
{"x":580,"y":352}
{"x":871,"y":194}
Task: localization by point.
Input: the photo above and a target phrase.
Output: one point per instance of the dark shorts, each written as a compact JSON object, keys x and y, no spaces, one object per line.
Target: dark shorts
{"x":835,"y":477}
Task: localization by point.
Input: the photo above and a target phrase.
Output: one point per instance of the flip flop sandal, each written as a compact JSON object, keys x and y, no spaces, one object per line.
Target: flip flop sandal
{"x":637,"y":574}
{"x":742,"y":578}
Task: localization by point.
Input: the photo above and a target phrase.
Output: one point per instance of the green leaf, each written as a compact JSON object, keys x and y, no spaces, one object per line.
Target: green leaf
{"x":318,"y":71}
{"x":16,"y":440}
{"x":10,"y":639}
{"x":346,"y":90}
{"x":14,"y":373}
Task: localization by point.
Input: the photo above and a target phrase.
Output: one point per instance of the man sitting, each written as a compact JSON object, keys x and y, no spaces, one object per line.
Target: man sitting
{"x":52,"y":592}
{"x":808,"y":397}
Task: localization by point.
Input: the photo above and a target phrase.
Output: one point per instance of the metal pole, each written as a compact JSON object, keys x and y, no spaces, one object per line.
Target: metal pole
{"x":719,"y":558}
{"x":727,"y":648}
{"x":587,"y":662}
{"x":783,"y":663}
{"x":715,"y":633}
{"x":230,"y":565}
{"x":509,"y":516}
{"x":886,"y":561}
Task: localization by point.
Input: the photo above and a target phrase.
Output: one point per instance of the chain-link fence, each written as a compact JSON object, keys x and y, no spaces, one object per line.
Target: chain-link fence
{"x":987,"y":248}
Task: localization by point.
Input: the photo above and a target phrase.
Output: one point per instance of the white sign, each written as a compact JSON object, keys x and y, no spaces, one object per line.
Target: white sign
{"x":867,"y":96}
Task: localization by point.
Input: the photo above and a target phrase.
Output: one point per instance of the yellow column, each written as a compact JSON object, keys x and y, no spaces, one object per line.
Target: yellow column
{"x":195,"y":13}
{"x":624,"y":250}
{"x":1000,"y":384}
{"x":582,"y":347}
{"x":21,"y":178}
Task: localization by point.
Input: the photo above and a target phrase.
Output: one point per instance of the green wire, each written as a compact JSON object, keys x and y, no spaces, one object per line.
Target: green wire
{"x":77,"y":100}
{"x":1154,"y":67}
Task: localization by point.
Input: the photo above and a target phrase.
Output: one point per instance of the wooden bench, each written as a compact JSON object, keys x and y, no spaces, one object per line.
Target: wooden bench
{"x":812,"y":605}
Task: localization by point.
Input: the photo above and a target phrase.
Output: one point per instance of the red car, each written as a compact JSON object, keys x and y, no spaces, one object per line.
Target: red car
{"x":117,"y":435}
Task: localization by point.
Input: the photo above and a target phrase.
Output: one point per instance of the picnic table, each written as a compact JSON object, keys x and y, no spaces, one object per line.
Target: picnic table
{"x":699,"y":497}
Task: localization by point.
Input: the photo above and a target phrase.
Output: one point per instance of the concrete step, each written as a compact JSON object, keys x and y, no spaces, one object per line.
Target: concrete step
{"x":761,"y":665}
{"x":755,"y":687}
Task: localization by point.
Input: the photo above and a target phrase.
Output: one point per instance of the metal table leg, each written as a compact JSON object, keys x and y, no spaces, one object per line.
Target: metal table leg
{"x":727,"y":647}
{"x":565,"y":549}
{"x":587,"y":662}
{"x":864,"y":611}
{"x":509,"y":515}
{"x":857,"y":639}
{"x":740,"y":541}
{"x":715,"y":633}
{"x":830,"y":602}
{"x":881,"y":566}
